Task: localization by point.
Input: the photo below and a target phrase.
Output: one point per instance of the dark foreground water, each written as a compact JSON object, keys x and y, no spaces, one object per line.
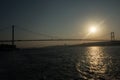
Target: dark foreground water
{"x":61,"y":63}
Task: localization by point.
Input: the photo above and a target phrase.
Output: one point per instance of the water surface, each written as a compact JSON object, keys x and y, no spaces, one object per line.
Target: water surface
{"x":62,"y":63}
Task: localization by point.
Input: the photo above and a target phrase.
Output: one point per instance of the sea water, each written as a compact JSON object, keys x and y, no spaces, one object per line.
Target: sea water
{"x":62,"y":63}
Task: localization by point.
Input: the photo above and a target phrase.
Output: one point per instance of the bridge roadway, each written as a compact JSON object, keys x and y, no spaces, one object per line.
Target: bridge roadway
{"x":54,"y":40}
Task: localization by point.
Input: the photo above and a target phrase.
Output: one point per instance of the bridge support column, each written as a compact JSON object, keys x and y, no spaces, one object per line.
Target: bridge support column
{"x":112,"y":36}
{"x":13,"y":35}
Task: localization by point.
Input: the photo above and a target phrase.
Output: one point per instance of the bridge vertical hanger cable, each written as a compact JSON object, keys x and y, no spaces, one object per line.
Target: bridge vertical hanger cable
{"x":104,"y":35}
{"x":5,"y":28}
{"x":36,"y":33}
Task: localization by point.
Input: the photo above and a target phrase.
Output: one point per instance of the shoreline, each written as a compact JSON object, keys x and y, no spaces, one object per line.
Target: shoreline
{"x":108,"y":43}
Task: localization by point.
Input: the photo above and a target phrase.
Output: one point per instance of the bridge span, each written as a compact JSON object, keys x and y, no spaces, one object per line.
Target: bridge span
{"x":53,"y":40}
{"x":49,"y":37}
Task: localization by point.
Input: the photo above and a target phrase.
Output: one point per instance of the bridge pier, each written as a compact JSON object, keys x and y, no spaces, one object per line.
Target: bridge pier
{"x":112,"y":36}
{"x":13,"y":41}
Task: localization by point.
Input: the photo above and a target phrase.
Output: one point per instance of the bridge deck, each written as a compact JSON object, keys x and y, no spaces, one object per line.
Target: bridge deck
{"x":53,"y":40}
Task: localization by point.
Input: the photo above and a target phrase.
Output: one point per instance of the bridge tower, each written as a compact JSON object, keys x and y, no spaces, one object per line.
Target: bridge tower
{"x":13,"y":41}
{"x":112,"y":36}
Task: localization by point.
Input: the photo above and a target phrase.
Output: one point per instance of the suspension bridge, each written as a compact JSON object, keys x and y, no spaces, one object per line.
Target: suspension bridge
{"x":49,"y":37}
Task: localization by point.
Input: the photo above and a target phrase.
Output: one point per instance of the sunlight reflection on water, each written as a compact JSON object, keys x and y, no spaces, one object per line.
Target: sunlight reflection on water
{"x":93,"y":63}
{"x":96,"y":60}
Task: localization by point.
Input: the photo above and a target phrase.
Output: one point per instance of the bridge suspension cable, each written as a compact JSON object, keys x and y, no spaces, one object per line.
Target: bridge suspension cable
{"x":4,"y":28}
{"x":37,"y":33}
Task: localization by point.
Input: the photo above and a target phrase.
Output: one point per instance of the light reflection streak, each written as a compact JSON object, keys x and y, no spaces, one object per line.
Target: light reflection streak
{"x":92,"y":64}
{"x":95,"y":59}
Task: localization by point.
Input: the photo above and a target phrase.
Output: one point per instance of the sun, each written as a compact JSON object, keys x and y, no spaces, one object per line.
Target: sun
{"x":93,"y":29}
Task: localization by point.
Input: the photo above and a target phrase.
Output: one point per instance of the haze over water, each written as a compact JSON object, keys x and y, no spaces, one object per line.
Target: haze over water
{"x":39,"y":44}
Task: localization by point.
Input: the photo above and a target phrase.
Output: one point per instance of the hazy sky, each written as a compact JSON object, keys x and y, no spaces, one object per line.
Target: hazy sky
{"x":62,"y":18}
